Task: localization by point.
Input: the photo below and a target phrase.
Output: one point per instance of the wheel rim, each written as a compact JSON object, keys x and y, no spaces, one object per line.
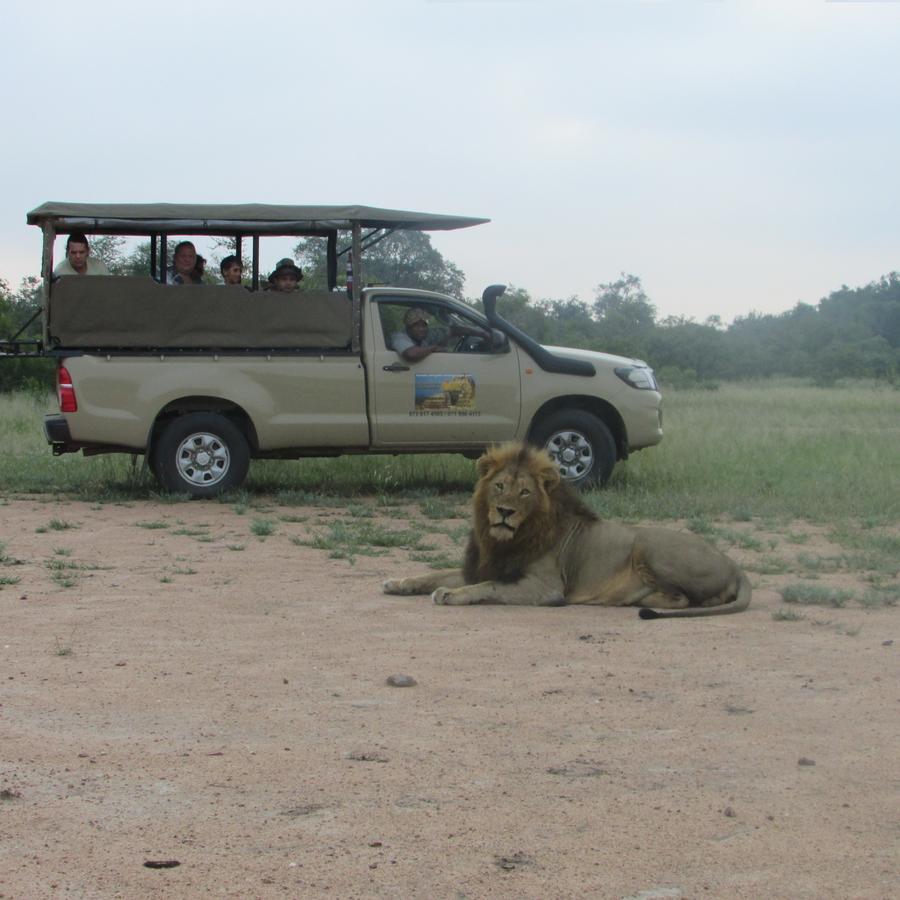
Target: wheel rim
{"x":572,"y":452}
{"x":202,"y":459}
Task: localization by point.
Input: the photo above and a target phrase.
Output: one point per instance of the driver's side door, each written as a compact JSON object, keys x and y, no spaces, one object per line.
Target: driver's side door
{"x":467,"y":394}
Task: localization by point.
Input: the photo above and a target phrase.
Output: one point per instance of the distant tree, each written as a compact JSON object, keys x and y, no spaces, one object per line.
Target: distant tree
{"x":625,"y":315}
{"x":403,"y":259}
{"x":109,"y":249}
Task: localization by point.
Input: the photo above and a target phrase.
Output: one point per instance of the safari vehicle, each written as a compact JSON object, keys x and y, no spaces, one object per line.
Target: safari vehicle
{"x":202,"y":379}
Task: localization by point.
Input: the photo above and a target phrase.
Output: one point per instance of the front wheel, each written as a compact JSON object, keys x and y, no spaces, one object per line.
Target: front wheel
{"x":580,"y":444}
{"x":202,"y":454}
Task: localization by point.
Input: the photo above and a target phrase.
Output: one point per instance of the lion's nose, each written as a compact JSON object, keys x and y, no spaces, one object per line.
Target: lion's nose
{"x":505,"y":511}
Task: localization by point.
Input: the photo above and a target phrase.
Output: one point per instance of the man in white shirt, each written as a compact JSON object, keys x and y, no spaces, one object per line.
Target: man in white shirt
{"x":78,"y":259}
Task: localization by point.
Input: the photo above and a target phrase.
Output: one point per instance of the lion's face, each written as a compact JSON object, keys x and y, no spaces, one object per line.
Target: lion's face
{"x":513,"y":490}
{"x":512,"y":497}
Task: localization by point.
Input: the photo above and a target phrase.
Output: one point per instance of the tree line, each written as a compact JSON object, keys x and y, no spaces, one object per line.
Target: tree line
{"x":851,"y":333}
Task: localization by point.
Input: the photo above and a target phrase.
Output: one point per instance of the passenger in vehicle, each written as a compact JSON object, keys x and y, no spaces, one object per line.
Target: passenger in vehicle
{"x":78,"y":259}
{"x":200,"y":268}
{"x":286,"y":276}
{"x":232,"y":270}
{"x":184,"y":266}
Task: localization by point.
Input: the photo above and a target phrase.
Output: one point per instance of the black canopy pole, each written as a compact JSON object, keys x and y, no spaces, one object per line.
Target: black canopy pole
{"x":46,"y":275}
{"x":163,"y":253}
{"x":255,"y":262}
{"x":355,"y":259}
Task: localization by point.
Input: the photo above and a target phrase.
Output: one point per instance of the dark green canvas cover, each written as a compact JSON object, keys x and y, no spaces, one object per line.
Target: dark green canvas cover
{"x":242,"y":218}
{"x":134,"y":312}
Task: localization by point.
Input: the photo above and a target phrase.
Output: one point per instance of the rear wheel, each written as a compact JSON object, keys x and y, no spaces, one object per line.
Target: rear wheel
{"x":580,"y":444}
{"x":202,"y":454}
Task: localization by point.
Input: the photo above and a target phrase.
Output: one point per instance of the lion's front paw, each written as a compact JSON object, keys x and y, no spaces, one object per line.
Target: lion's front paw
{"x":442,"y":596}
{"x":393,"y":586}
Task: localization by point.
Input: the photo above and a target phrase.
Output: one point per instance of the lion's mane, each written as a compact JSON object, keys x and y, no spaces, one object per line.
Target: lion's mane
{"x":557,"y":508}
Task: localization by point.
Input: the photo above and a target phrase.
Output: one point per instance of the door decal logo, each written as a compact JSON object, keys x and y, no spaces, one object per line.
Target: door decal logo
{"x":447,"y":395}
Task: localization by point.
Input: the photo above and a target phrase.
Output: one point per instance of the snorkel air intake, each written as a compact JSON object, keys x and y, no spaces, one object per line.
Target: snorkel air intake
{"x":548,"y":361}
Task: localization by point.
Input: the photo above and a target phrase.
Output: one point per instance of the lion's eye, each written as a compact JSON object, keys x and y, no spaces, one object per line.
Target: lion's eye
{"x":524,"y":492}
{"x":498,"y":487}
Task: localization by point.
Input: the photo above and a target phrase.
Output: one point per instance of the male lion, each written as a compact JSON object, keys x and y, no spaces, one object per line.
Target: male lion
{"x":535,"y":542}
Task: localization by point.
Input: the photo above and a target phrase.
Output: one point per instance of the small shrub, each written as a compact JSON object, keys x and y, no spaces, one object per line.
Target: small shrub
{"x":262,"y":527}
{"x":787,"y":615}
{"x":815,"y":595}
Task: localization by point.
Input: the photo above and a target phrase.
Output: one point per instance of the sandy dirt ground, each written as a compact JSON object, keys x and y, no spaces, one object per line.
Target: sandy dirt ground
{"x":170,"y":698}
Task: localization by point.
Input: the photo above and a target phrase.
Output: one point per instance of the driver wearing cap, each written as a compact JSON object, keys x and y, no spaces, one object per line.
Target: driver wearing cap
{"x":419,"y":339}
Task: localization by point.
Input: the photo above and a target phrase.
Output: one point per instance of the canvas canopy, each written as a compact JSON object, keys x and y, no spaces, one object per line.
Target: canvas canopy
{"x":136,"y":312}
{"x":244,"y":218}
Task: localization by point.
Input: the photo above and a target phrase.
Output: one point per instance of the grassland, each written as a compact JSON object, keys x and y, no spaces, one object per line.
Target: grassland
{"x":775,"y":450}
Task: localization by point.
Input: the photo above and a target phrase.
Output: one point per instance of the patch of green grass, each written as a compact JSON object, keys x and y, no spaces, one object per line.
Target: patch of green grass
{"x":8,"y":580}
{"x":55,"y":525}
{"x":787,"y":615}
{"x":262,"y":527}
{"x":62,"y":551}
{"x":747,"y":541}
{"x":166,"y":579}
{"x":195,"y":531}
{"x":881,"y":595}
{"x":184,"y":570}
{"x":440,"y":508}
{"x":6,"y":559}
{"x":815,"y":595}
{"x":237,"y":547}
{"x":359,"y":537}
{"x":61,"y":649}
{"x":294,"y":519}
{"x":776,"y":449}
{"x":868,"y":548}
{"x":359,"y":511}
{"x":458,"y":534}
{"x":151,"y":526}
{"x":703,"y":527}
{"x":793,"y":537}
{"x":437,"y":560}
{"x":768,"y":565}
{"x":68,"y":565}
{"x":818,"y":565}
{"x":63,"y":580}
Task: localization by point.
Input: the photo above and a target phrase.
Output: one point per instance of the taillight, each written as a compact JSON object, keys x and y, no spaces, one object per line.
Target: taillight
{"x":65,"y":391}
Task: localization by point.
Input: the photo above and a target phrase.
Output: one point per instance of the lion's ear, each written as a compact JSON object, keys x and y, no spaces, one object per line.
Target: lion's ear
{"x":549,"y":477}
{"x":485,"y":464}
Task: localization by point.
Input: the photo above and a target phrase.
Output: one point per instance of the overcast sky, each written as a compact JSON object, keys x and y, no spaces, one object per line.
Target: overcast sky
{"x":735,"y":156}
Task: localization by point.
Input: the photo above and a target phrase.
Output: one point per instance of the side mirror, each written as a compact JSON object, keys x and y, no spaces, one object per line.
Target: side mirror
{"x":499,"y":341}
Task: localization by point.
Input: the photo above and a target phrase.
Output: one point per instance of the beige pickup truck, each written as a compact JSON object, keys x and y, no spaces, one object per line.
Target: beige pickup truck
{"x":204,"y":378}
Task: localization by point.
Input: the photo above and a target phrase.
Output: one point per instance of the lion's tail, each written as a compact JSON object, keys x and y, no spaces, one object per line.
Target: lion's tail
{"x":739,"y":604}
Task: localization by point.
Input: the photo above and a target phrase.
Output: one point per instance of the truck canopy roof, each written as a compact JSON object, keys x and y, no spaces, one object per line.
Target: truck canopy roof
{"x":243,"y":218}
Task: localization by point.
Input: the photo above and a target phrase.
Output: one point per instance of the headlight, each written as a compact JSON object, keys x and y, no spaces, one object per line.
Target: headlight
{"x":639,"y":377}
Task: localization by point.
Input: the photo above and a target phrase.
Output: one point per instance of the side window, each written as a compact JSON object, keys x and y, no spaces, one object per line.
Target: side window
{"x":452,"y":331}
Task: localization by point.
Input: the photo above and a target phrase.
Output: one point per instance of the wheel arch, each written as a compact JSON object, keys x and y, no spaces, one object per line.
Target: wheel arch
{"x":202,"y":404}
{"x":603,"y":410}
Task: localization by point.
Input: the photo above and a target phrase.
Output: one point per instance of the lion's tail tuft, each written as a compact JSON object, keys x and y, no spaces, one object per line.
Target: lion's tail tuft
{"x":649,"y":614}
